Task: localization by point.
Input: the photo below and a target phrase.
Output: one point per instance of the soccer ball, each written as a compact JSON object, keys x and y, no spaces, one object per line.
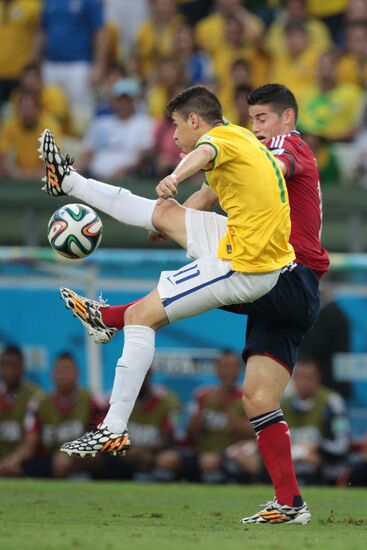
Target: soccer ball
{"x":74,"y":231}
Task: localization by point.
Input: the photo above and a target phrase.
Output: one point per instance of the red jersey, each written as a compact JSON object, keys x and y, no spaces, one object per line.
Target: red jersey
{"x":305,"y":201}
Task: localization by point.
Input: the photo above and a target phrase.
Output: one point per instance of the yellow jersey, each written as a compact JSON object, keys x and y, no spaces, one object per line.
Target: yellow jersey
{"x":252,"y":192}
{"x":21,"y":144}
{"x":19,"y":21}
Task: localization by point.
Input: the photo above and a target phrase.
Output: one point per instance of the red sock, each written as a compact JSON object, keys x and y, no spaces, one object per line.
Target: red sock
{"x":114,"y":316}
{"x":275,"y":448}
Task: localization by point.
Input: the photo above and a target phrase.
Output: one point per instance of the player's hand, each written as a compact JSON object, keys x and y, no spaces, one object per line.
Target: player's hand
{"x":157,"y":237}
{"x":167,"y":187}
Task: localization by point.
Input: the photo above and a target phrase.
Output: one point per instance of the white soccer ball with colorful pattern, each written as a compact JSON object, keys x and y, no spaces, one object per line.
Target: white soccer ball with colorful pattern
{"x":75,"y":231}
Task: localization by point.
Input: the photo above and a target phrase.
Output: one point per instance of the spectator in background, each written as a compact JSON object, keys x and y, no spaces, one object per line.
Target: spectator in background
{"x":242,"y":117}
{"x":73,"y":41}
{"x":128,"y":16}
{"x":296,"y":11}
{"x":333,"y":108}
{"x":16,"y":396}
{"x":114,"y":72}
{"x":331,"y":14}
{"x":116,"y":144}
{"x":217,"y":422}
{"x":19,"y":138}
{"x":197,"y":63}
{"x":52,"y":98}
{"x":352,"y":65}
{"x":240,"y":78}
{"x":319,"y":426}
{"x":330,"y":335}
{"x":19,"y":20}
{"x":356,"y":12}
{"x":66,"y":412}
{"x":166,"y":153}
{"x":238,"y":45}
{"x":210,"y":31}
{"x":297,"y":66}
{"x":327,"y":160}
{"x":170,"y":80}
{"x":156,"y":36}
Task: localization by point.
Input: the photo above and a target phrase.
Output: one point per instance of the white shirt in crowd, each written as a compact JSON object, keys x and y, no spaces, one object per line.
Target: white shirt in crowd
{"x":117,"y":143}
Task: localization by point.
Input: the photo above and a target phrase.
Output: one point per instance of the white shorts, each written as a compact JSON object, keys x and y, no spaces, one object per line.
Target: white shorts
{"x":208,"y":282}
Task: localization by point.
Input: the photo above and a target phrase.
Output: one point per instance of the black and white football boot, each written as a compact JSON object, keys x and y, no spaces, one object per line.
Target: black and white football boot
{"x":99,"y":440}
{"x":280,"y":513}
{"x":89,"y":314}
{"x":57,"y":166}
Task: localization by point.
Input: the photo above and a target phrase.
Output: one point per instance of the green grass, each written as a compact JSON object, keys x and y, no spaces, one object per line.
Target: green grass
{"x":68,"y":515}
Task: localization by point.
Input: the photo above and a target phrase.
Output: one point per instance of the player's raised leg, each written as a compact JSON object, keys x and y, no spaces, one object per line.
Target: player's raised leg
{"x":101,"y":320}
{"x":61,"y":179}
{"x":139,"y":344}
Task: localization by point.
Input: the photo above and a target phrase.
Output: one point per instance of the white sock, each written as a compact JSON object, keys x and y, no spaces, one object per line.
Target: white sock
{"x":118,"y":202}
{"x":131,"y":369}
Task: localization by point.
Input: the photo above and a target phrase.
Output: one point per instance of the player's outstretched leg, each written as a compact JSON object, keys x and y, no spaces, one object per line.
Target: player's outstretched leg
{"x":274,"y":512}
{"x":89,"y":313}
{"x":57,"y":167}
{"x":99,"y":440}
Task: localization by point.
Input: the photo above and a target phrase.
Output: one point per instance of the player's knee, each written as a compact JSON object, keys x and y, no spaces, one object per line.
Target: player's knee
{"x":164,"y":214}
{"x":257,"y":401}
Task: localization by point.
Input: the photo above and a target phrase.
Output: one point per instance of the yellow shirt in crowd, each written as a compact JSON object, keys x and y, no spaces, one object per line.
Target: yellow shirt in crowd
{"x":153,"y":42}
{"x":326,"y":8}
{"x":19,"y":22}
{"x":210,"y":31}
{"x":350,"y":69}
{"x":54,"y":103}
{"x":252,"y":191}
{"x":22,"y":144}
{"x":319,"y":35}
{"x":295,"y":72}
{"x":333,"y":114}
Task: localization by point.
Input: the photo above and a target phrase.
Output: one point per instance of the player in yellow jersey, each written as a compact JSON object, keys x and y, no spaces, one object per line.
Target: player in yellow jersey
{"x":236,"y":259}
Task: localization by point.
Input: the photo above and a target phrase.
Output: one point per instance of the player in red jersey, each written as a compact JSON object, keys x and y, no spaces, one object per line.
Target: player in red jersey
{"x":276,"y":322}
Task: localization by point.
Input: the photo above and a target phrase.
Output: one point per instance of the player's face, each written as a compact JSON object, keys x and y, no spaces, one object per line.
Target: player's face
{"x":266,"y":123}
{"x":186,"y":134}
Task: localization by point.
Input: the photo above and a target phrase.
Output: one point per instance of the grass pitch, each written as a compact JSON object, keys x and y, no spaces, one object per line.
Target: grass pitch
{"x":77,"y":515}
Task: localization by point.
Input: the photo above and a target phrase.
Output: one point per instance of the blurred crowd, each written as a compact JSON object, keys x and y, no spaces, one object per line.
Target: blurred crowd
{"x":215,"y":444}
{"x":99,"y":74}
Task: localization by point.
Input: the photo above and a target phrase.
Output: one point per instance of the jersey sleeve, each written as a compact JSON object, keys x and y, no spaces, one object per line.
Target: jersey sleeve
{"x":286,"y":149}
{"x":218,"y":145}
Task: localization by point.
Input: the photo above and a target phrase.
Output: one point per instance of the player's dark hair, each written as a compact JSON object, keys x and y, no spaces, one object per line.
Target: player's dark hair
{"x":199,"y":100}
{"x":12,"y":349}
{"x":277,"y":95}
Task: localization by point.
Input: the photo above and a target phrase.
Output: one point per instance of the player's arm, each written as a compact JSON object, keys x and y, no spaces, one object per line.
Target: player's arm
{"x":282,"y":166}
{"x":204,"y":199}
{"x":191,"y":164}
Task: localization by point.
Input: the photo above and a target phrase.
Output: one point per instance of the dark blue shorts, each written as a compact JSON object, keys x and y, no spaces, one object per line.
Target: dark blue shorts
{"x":278,"y":321}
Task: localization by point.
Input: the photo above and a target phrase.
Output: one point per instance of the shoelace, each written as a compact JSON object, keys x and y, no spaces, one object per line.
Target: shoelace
{"x":69,"y":161}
